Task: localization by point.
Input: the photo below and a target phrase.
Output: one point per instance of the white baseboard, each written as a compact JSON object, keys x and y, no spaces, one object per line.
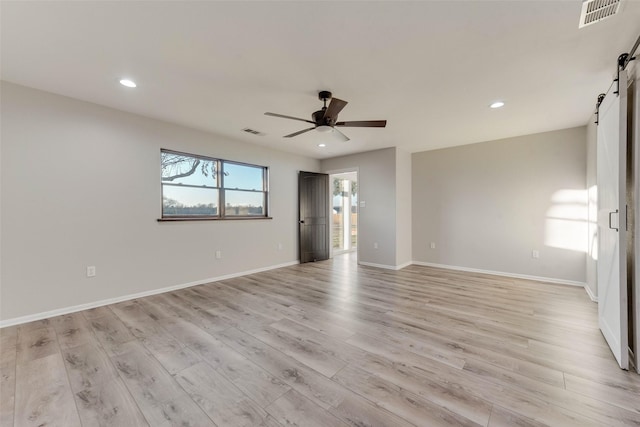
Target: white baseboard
{"x":502,"y":273}
{"x":75,"y":308}
{"x":401,"y":266}
{"x":591,"y":295}
{"x":385,"y":266}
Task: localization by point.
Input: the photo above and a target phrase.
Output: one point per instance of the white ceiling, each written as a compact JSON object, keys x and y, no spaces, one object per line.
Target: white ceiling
{"x":430,"y":68}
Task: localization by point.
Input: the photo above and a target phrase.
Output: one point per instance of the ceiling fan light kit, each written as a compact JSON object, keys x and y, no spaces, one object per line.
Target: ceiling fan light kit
{"x":326,"y":119}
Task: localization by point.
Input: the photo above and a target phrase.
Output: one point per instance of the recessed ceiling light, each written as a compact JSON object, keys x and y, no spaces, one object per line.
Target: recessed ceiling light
{"x":497,"y":104}
{"x":128,"y":83}
{"x":322,"y":145}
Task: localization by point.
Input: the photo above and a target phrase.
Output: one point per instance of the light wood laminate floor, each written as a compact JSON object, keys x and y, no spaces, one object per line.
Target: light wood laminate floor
{"x":324,"y":344}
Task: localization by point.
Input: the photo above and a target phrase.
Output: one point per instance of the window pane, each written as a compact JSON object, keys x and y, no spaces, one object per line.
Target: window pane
{"x":185,"y":201}
{"x":183,"y":169}
{"x":244,"y":203}
{"x":243,"y":177}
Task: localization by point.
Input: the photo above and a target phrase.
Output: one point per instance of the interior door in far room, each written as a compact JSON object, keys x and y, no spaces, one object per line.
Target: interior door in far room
{"x":313,"y":196}
{"x":611,"y":179}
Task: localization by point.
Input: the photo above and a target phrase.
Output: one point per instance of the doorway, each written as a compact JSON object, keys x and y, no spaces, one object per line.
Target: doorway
{"x":344,"y":212}
{"x":313,"y":224}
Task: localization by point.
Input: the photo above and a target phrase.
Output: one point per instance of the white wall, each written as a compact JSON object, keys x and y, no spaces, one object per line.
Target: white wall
{"x":592,"y":232}
{"x":487,"y":206}
{"x":403,"y":208}
{"x":377,"y":188}
{"x":81,"y":186}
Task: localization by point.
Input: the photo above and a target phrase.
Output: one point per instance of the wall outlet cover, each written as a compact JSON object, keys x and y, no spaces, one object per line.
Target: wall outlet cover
{"x":91,"y":271}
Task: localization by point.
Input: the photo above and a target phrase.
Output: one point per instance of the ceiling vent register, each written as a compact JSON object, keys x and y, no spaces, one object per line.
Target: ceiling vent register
{"x":252,"y":131}
{"x":594,"y":11}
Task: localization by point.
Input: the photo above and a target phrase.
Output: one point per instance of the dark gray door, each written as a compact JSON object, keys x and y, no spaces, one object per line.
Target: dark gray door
{"x":313,"y":196}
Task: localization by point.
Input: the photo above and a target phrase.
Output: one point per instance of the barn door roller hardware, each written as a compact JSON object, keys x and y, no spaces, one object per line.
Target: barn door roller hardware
{"x":600,"y":99}
{"x":623,"y":61}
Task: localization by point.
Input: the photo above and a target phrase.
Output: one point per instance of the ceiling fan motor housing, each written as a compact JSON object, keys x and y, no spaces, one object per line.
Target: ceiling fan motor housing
{"x":319,"y":119}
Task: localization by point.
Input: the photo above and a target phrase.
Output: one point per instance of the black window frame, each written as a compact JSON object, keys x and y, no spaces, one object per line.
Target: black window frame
{"x":222,"y":213}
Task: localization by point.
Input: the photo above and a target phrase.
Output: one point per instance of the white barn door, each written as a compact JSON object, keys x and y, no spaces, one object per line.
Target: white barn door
{"x":611,"y":179}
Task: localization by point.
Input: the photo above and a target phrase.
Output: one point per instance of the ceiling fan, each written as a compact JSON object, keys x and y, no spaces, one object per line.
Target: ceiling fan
{"x":326,"y":119}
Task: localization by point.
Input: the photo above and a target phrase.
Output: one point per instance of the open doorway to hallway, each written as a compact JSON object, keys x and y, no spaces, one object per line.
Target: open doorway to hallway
{"x":344,"y":212}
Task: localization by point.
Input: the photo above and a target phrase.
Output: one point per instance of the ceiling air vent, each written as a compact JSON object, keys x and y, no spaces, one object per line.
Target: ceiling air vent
{"x":254,"y":132}
{"x":596,"y":10}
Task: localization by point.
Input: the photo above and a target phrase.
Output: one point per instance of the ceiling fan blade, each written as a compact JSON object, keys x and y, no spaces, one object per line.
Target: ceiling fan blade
{"x":364,"y":124}
{"x":340,"y":135}
{"x":288,"y":117}
{"x":335,"y":106}
{"x":298,"y":133}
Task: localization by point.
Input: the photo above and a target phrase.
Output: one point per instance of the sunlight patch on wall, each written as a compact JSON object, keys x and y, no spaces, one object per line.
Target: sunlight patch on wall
{"x":567,"y":221}
{"x":593,"y":222}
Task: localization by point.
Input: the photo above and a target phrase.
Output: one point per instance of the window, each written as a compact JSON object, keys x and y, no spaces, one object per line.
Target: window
{"x":199,"y":187}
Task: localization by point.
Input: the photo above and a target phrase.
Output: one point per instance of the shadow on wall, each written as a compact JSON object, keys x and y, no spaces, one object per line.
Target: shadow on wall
{"x":567,"y":224}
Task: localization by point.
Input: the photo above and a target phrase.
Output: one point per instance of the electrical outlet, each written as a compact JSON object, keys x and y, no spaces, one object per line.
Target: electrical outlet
{"x":433,"y":245}
{"x":375,"y":245}
{"x":91,"y":271}
{"x":279,"y":246}
{"x":535,"y":254}
{"x":218,"y":254}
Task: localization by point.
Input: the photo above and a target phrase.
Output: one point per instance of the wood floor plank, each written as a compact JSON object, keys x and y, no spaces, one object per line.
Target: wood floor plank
{"x":108,"y":404}
{"x":43,"y":395}
{"x":8,"y":342}
{"x":399,"y":401}
{"x":93,"y":313}
{"x":600,"y":411}
{"x":182,"y":411}
{"x":374,"y":343}
{"x":8,"y":357}
{"x":171,"y":354}
{"x":336,"y":348}
{"x":110,"y":331}
{"x":35,"y":343}
{"x":612,"y":393}
{"x":303,"y":350}
{"x":7,"y":391}
{"x":254,"y":381}
{"x":38,"y":324}
{"x":310,"y":318}
{"x":293,"y":409}
{"x":358,"y":411}
{"x":149,"y":384}
{"x":450,"y":395}
{"x":182,"y":307}
{"x":304,"y":380}
{"x":72,"y":330}
{"x":501,"y":417}
{"x":225,"y":404}
{"x":101,"y":396}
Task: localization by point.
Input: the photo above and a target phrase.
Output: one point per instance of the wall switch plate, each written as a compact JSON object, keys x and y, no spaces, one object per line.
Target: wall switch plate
{"x":218,"y":254}
{"x":363,"y":204}
{"x":91,"y":271}
{"x":433,"y":245}
{"x":535,"y":254}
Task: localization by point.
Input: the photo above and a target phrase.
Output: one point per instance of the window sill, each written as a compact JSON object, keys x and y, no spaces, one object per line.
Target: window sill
{"x":229,"y":218}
